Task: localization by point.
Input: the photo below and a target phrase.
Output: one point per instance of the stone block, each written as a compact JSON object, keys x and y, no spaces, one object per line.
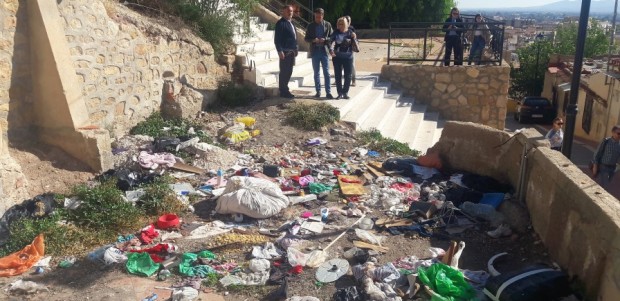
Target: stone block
{"x":443,"y":78}
{"x":472,"y":72}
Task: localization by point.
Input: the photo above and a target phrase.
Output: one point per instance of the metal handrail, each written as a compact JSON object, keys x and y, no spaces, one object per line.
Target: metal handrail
{"x":298,"y":20}
{"x":496,"y":29}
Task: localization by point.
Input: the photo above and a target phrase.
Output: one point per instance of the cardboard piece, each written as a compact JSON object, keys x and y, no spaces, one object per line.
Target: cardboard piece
{"x":316,"y":227}
{"x":188,"y":168}
{"x":351,"y":188}
{"x":365,"y":245}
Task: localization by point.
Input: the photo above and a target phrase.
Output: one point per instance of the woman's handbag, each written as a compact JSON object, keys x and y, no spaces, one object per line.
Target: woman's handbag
{"x":355,"y":45}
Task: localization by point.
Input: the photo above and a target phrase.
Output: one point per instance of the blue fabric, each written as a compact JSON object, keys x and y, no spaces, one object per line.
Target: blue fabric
{"x":493,"y":199}
{"x":284,"y":38}
{"x":477,"y":47}
{"x":320,"y":59}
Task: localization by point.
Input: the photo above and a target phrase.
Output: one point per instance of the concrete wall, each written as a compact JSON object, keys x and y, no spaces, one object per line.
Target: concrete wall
{"x":576,"y":219}
{"x":121,"y":58}
{"x":463,"y":93}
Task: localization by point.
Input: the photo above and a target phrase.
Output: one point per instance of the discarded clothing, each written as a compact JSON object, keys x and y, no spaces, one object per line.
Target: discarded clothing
{"x":114,"y":255}
{"x":187,"y":267}
{"x":193,"y":282}
{"x":317,"y":188}
{"x":153,"y":161}
{"x":141,"y":264}
{"x":156,"y":250}
{"x":21,"y":261}
{"x":210,"y":229}
{"x":484,"y":184}
{"x":39,"y":206}
{"x":347,"y":294}
{"x":412,"y":263}
{"x":148,"y":233}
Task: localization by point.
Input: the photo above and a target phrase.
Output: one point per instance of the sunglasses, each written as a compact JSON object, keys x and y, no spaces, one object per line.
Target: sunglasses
{"x":560,"y":123}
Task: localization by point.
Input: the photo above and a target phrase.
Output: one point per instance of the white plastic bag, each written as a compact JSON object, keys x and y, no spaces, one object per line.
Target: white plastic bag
{"x":259,"y":265}
{"x":369,"y":237}
{"x":184,"y":294}
{"x":26,"y":287}
{"x":254,"y":197}
{"x":316,"y":258}
{"x":296,"y":257}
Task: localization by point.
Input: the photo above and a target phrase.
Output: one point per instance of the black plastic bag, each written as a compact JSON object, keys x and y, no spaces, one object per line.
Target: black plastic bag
{"x":347,"y":294}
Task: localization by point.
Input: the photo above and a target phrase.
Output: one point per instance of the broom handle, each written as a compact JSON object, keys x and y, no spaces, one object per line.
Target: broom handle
{"x":345,"y":231}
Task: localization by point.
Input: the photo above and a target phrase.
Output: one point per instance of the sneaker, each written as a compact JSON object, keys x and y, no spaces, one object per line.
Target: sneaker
{"x":329,"y":96}
{"x":317,"y":95}
{"x":345,"y":96}
{"x":502,"y":230}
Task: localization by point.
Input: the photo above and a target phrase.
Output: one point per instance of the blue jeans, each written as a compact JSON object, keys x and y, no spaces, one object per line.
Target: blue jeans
{"x":605,"y":175}
{"x":477,"y":47}
{"x":319,"y":59}
{"x":339,"y":65}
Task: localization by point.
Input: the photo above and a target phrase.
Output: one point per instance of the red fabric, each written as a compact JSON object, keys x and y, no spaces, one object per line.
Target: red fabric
{"x":430,"y":160}
{"x":148,"y":234}
{"x":154,"y":251}
{"x":402,"y":187}
{"x":337,"y":172}
{"x":298,"y":269}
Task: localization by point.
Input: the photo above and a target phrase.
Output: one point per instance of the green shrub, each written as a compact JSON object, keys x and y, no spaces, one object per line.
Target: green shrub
{"x":160,"y":199}
{"x":230,"y":94}
{"x":312,"y":116}
{"x":103,"y":207}
{"x":373,"y":140}
{"x":154,"y":126}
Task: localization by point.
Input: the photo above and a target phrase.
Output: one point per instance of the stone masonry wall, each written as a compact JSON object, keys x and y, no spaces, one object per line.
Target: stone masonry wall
{"x":121,"y":59}
{"x":15,"y":80}
{"x":15,"y":87}
{"x":463,"y":93}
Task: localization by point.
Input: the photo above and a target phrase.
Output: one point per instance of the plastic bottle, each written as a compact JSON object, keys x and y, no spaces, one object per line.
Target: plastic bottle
{"x":220,"y":177}
{"x":163,"y":274}
{"x":152,"y":297}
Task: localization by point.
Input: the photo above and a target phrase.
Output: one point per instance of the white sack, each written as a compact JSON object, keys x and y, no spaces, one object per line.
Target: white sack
{"x":254,"y":197}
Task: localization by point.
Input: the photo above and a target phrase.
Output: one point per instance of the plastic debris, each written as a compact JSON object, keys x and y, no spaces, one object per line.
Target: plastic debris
{"x":21,"y":287}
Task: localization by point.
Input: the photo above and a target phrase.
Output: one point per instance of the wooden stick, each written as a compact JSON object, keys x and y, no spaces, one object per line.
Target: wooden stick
{"x":345,"y":231}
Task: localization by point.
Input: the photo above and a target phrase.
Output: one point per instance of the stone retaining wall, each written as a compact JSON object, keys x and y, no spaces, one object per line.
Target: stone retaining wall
{"x":463,"y":93}
{"x":575,"y":218}
{"x":121,"y":59}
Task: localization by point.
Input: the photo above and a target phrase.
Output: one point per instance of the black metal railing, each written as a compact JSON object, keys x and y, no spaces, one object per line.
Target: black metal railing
{"x":302,"y":15}
{"x":412,"y":42}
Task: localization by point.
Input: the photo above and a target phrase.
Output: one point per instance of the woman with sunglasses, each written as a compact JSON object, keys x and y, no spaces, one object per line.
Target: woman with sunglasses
{"x":556,"y":135}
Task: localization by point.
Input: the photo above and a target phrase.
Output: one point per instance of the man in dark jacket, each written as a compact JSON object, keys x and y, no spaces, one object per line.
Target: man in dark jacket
{"x":317,"y":34}
{"x":285,"y":40}
{"x":453,"y":27}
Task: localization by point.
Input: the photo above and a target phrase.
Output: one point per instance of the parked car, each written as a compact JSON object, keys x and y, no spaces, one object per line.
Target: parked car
{"x":534,"y":108}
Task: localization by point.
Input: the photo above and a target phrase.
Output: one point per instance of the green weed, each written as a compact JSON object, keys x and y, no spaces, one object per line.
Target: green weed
{"x":312,"y":116}
{"x":160,"y":199}
{"x":230,"y":94}
{"x":103,"y":207}
{"x":155,"y":125}
{"x":373,"y":140}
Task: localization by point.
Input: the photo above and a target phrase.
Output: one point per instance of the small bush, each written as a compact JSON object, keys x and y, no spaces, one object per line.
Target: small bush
{"x":159,"y":198}
{"x":230,"y":94}
{"x":103,"y":207}
{"x":312,"y":116}
{"x":375,"y":141}
{"x":154,"y":126}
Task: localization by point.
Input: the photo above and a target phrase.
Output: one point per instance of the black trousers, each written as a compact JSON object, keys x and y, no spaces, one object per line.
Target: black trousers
{"x":453,"y":43}
{"x":342,"y":64}
{"x":286,"y":70}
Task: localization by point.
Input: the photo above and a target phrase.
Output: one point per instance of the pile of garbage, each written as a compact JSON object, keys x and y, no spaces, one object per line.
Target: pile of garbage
{"x":273,"y":209}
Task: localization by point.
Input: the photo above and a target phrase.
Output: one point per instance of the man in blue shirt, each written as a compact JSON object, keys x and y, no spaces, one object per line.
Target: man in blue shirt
{"x":606,"y":157}
{"x":285,"y":40}
{"x":317,"y":34}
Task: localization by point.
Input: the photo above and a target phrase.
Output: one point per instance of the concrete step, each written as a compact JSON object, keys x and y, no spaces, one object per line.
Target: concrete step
{"x":382,"y":112}
{"x":356,"y":93}
{"x":261,"y":56}
{"x":273,"y":64}
{"x":301,"y":73}
{"x":392,"y":122}
{"x":408,"y":128}
{"x":253,"y":47}
{"x":363,"y":107}
{"x":426,"y":133}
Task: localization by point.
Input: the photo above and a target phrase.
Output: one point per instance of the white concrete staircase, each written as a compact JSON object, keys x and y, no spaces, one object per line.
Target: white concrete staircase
{"x":372,"y":103}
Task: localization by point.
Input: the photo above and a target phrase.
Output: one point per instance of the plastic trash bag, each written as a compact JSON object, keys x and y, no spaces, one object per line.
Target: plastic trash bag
{"x":236,"y":133}
{"x":21,"y":261}
{"x":253,"y":197}
{"x":184,"y":294}
{"x":369,"y":237}
{"x":296,"y":257}
{"x":25,"y":287}
{"x":141,"y":264}
{"x":316,"y":258}
{"x":259,"y":265}
{"x":247,"y":121}
{"x":347,"y":294}
{"x":447,"y":282}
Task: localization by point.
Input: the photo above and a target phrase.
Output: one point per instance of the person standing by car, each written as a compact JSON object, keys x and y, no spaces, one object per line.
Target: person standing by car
{"x":342,"y":53}
{"x":453,"y":27}
{"x":285,"y":39}
{"x":556,"y":135}
{"x":317,"y":34}
{"x":606,"y":158}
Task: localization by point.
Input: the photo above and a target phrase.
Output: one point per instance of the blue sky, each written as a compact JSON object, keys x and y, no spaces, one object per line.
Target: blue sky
{"x":494,"y":4}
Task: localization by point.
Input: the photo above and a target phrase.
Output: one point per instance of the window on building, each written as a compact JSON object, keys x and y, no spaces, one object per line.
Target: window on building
{"x":586,"y":120}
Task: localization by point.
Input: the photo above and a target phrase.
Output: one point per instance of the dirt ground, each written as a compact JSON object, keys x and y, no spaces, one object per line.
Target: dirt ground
{"x":52,"y":170}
